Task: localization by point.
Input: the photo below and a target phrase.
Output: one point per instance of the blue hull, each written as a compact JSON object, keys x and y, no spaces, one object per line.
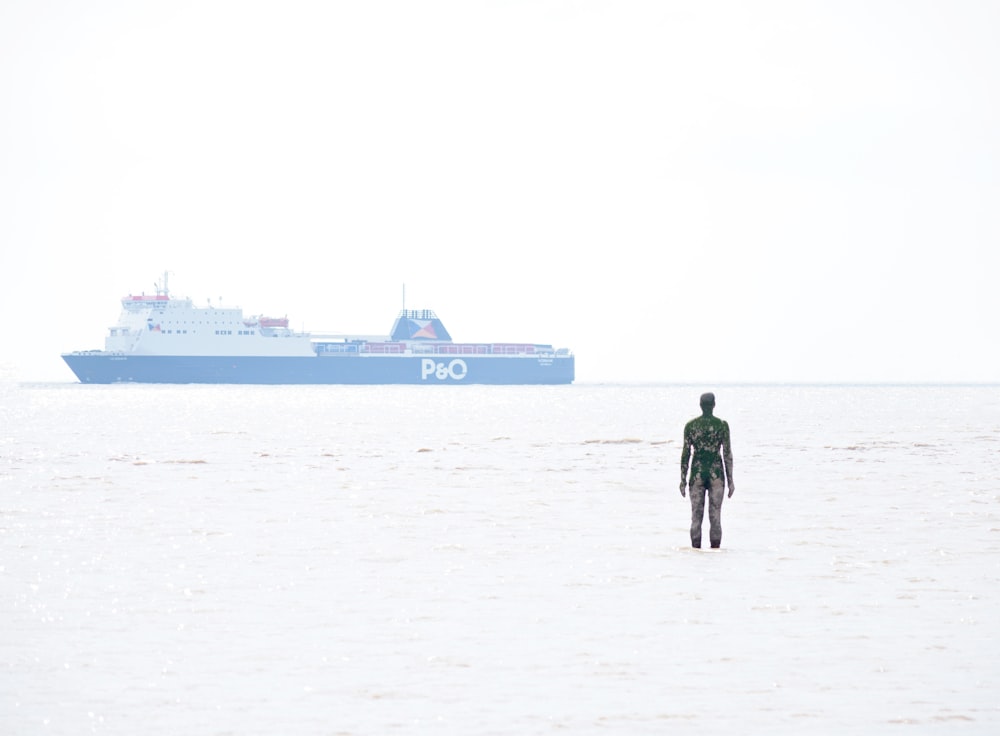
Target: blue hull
{"x":396,"y":369}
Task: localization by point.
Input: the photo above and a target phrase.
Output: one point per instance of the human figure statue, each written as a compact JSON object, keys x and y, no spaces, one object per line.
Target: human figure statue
{"x":711,"y":466}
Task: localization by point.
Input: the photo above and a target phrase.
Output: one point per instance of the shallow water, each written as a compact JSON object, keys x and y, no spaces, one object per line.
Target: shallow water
{"x":495,"y":560}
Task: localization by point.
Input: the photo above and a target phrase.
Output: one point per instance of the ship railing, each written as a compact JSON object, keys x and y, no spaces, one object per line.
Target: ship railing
{"x":336,"y":348}
{"x":426,"y":348}
{"x":384,"y":348}
{"x":517,"y":348}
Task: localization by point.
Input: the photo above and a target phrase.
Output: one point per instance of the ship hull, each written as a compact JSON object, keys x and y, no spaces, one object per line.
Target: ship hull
{"x":103,"y":367}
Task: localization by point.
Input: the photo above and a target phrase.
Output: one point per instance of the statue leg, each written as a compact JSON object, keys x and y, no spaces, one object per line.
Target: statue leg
{"x":715,"y":496}
{"x":697,"y":493}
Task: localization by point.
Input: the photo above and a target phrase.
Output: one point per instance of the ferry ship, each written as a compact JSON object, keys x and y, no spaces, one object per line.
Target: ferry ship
{"x":163,"y":339}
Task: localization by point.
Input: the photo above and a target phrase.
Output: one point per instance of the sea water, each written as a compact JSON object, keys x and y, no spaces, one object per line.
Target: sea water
{"x":495,"y":560}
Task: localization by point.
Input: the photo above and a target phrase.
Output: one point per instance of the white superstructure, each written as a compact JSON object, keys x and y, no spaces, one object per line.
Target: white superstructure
{"x":161,"y":325}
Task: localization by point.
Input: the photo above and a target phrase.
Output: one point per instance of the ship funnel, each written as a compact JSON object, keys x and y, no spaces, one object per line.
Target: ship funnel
{"x":418,"y":324}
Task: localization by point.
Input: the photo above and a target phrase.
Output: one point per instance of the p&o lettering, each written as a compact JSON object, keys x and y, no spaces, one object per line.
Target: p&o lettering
{"x":456,"y":370}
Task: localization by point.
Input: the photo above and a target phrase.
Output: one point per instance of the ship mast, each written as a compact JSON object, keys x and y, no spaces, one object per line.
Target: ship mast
{"x":164,"y":291}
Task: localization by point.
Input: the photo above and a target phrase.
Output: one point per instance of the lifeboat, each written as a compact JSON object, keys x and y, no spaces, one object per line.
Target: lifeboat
{"x":274,"y":321}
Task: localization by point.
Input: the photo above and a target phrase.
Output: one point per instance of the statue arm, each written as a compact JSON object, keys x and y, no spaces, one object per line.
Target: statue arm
{"x":685,"y":455}
{"x":685,"y":460}
{"x":727,"y":456}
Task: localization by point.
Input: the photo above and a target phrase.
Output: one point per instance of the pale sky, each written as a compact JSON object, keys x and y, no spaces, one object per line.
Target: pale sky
{"x":677,"y":191}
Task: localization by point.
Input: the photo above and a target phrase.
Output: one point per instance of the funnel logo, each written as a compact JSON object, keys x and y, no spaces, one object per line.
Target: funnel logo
{"x":456,"y":370}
